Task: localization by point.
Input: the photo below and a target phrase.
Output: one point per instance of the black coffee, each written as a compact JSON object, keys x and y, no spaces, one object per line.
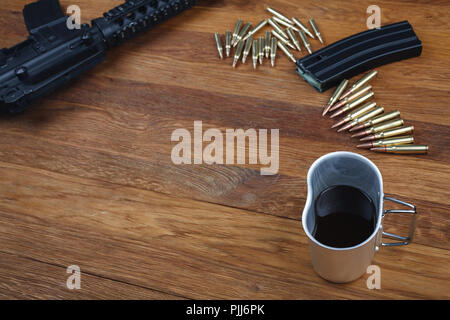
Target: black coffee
{"x":345,"y":216}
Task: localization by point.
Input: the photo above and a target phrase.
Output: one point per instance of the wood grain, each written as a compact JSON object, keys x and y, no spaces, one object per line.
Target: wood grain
{"x":87,"y":178}
{"x":26,"y":278}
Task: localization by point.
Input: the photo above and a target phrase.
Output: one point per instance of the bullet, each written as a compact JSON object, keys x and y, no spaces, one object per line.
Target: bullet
{"x":335,"y":96}
{"x":305,"y":41}
{"x":403,"y":149}
{"x":219,"y":44}
{"x":261,"y":49}
{"x":387,"y":142}
{"x":302,"y":27}
{"x":351,"y":97}
{"x":316,"y":29}
{"x":248,"y":46}
{"x":353,"y":104}
{"x":294,"y":39}
{"x":278,"y":28}
{"x":287,"y":25}
{"x":279,"y":15}
{"x":279,"y":36}
{"x":361,"y":82}
{"x":362,"y":110}
{"x":286,"y":51}
{"x":282,"y":39}
{"x":242,"y":33}
{"x":372,"y":122}
{"x":228,"y":42}
{"x":236,"y":31}
{"x":389,"y":133}
{"x":238,"y":52}
{"x":381,"y":127}
{"x":369,"y":115}
{"x":255,"y":53}
{"x":258,"y":27}
{"x":355,"y":114}
{"x":273,"y":51}
{"x":268,"y":41}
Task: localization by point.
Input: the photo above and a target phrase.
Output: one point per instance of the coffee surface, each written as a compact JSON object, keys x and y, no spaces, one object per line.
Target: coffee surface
{"x":344,"y":217}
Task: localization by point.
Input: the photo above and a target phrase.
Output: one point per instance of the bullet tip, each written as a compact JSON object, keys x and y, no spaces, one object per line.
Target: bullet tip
{"x":378,"y":149}
{"x":344,"y":128}
{"x":356,"y":128}
{"x":365,"y":145}
{"x":326,"y":109}
{"x":345,"y":94}
{"x":359,"y":134}
{"x":333,"y":107}
{"x":368,"y":138}
{"x":337,"y":113}
{"x":336,"y":106}
{"x":336,"y":125}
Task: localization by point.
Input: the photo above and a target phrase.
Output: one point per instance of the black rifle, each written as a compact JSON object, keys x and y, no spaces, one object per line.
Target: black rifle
{"x":54,"y":54}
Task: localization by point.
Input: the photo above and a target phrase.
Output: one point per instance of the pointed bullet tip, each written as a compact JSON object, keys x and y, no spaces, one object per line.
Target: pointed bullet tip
{"x":368,"y":138}
{"x":344,"y":95}
{"x":336,"y":125}
{"x":344,"y":128}
{"x":359,"y":134}
{"x":365,"y":145}
{"x":337,"y":105}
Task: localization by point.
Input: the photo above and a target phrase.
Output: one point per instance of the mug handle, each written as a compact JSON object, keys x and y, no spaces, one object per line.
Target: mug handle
{"x":403,"y":240}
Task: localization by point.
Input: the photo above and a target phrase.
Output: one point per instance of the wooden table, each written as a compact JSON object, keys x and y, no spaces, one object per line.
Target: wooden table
{"x":86,"y":176}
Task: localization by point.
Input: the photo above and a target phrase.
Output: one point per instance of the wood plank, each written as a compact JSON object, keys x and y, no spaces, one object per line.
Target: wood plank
{"x":141,"y":159}
{"x":24,"y":278}
{"x":186,"y":247}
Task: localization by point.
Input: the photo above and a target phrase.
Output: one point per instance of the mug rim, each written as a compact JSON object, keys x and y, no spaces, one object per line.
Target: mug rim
{"x":309,"y":197}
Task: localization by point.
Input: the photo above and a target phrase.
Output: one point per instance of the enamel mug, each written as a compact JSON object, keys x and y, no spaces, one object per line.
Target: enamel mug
{"x":342,"y":265}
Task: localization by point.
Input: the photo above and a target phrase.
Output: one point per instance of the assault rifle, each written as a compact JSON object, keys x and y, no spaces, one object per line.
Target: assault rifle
{"x":54,"y":54}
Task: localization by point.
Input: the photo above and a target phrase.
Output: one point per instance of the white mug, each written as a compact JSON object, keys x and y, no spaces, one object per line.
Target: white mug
{"x":342,"y":265}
